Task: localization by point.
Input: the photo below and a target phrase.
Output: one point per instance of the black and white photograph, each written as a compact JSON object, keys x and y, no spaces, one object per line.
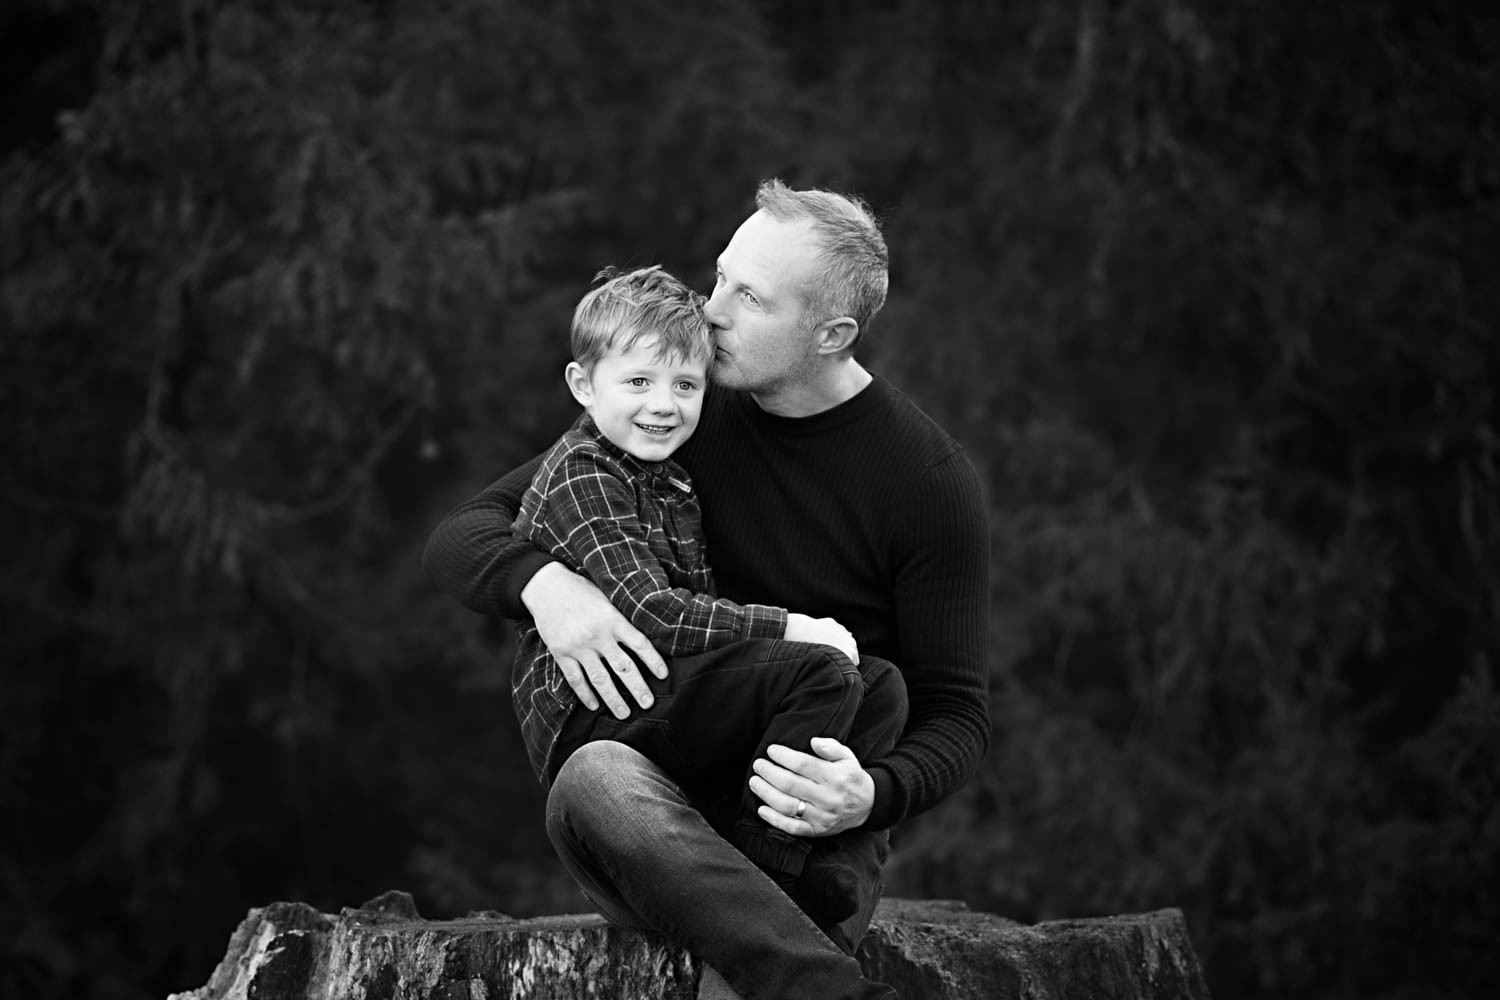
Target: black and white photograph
{"x":749,"y":500}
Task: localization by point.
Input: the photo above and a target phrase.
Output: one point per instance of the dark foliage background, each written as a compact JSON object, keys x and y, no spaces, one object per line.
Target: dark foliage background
{"x":1209,"y":290}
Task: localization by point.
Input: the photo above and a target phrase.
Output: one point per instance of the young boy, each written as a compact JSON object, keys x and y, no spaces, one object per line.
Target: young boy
{"x":609,"y":502}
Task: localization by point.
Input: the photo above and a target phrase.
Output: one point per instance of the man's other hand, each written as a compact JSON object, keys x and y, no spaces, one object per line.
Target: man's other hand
{"x":813,"y":796}
{"x":588,"y":638}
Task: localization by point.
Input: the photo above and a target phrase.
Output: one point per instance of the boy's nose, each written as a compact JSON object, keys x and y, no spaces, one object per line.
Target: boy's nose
{"x":661,"y":401}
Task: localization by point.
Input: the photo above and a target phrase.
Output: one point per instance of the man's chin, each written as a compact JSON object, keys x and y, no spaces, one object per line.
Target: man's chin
{"x":723,"y":373}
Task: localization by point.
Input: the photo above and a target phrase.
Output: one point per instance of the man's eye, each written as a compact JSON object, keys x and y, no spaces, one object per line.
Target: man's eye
{"x":750,"y":297}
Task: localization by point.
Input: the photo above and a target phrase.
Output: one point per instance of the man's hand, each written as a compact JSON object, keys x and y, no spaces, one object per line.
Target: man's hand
{"x":588,"y":637}
{"x":813,"y":796}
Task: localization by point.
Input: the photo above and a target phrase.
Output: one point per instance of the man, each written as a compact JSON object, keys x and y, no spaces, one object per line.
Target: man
{"x":822,"y":488}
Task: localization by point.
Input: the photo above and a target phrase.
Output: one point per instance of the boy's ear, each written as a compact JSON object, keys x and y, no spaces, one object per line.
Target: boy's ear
{"x":837,"y":335}
{"x":579,"y":383}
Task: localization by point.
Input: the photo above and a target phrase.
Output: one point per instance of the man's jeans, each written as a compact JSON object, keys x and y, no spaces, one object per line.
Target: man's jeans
{"x":647,"y":858}
{"x":716,"y":712}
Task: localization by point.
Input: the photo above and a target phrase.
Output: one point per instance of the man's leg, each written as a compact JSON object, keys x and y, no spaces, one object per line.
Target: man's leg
{"x":647,"y":858}
{"x":712,"y":986}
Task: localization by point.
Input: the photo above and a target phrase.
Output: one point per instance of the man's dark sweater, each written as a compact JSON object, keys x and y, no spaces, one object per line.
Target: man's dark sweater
{"x":867,"y":513}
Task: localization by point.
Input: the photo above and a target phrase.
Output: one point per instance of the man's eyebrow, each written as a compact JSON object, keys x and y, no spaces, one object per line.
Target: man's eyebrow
{"x":740,"y":284}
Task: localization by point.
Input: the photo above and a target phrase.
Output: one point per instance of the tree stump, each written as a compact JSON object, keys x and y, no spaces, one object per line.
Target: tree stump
{"x":927,"y":950}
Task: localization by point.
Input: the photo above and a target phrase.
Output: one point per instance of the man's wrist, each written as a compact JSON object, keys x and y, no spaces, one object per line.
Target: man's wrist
{"x":528,"y":568}
{"x":882,"y":805}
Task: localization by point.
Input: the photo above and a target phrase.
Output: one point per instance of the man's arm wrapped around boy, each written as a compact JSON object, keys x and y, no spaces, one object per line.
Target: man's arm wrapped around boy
{"x":475,"y":558}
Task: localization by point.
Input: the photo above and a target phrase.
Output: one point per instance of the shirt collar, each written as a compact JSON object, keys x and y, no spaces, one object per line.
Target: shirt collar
{"x":668,"y":472}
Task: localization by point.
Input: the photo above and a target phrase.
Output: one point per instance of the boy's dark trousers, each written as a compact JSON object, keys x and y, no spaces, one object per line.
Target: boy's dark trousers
{"x":716,"y":712}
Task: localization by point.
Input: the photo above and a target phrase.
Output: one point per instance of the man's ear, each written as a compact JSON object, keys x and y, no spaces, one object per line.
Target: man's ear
{"x":837,"y":335}
{"x":579,"y":383}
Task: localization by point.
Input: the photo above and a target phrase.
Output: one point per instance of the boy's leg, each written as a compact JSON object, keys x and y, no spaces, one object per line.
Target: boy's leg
{"x":864,"y":853}
{"x":717,"y":711}
{"x":647,"y":858}
{"x":882,"y":709}
{"x":841,"y":876}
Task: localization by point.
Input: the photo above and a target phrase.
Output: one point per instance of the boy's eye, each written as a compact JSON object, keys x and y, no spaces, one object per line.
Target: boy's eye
{"x":638,"y":381}
{"x":687,"y":386}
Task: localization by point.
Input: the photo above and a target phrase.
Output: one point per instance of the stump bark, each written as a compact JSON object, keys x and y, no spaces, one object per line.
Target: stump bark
{"x":927,"y":950}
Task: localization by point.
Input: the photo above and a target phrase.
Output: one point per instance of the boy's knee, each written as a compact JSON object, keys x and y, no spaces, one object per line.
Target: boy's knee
{"x":824,"y":664}
{"x":884,"y":688}
{"x":882,"y":679}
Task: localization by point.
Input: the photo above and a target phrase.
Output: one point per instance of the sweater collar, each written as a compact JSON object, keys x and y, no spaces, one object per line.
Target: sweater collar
{"x":851,"y":409}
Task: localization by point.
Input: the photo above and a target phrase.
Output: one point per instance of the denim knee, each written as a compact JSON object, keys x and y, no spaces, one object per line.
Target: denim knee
{"x":580,"y":782}
{"x":608,"y":792}
{"x":590,"y":768}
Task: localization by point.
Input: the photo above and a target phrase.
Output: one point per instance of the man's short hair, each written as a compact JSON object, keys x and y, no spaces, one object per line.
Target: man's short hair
{"x":624,"y":306}
{"x":853,"y":257}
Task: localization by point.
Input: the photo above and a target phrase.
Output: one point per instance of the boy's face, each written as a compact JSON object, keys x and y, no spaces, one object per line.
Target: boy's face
{"x":646,"y":405}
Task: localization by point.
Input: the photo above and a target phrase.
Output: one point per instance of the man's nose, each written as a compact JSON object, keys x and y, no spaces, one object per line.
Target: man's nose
{"x":713,"y":310}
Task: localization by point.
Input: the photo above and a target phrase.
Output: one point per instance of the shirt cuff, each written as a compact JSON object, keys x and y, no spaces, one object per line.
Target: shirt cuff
{"x":884,"y":811}
{"x":764,"y":622}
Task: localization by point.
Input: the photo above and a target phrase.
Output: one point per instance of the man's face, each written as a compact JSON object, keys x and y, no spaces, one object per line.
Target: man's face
{"x":757,"y":306}
{"x":646,"y":405}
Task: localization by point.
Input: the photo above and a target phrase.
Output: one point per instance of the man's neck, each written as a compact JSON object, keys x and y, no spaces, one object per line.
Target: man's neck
{"x":836,"y":383}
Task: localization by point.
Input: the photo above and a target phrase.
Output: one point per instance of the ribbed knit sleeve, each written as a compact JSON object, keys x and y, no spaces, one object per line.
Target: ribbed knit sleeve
{"x":473,"y":556}
{"x":941,"y":586}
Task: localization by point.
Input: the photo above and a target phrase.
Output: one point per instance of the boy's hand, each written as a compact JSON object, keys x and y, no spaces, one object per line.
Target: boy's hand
{"x":588,"y":637}
{"x":801,"y":628}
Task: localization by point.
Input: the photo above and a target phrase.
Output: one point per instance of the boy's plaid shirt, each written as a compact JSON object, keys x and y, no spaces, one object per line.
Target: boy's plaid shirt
{"x":636,"y":530}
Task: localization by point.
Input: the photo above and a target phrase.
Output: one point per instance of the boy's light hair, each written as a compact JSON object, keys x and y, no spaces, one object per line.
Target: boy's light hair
{"x":625,"y":306}
{"x":853,"y":257}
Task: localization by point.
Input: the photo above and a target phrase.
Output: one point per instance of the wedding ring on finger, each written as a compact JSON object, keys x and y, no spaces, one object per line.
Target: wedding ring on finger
{"x":801,"y":808}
